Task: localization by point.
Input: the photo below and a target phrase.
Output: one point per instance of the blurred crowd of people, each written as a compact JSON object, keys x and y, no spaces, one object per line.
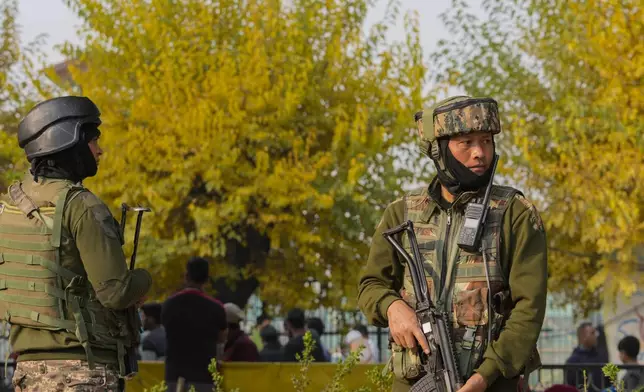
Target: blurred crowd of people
{"x":191,"y":327}
{"x":585,"y":363}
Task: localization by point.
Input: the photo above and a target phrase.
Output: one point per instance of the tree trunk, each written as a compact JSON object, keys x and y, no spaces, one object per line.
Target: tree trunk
{"x":239,"y":256}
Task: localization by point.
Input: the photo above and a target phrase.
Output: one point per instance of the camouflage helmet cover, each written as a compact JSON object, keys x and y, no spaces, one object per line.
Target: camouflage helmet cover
{"x":459,"y":115}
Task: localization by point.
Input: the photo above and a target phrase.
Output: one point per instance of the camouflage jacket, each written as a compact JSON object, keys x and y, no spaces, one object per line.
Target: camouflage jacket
{"x":522,"y":257}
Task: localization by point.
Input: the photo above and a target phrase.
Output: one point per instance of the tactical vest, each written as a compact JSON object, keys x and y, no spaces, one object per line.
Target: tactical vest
{"x":467,"y":293}
{"x":37,"y":292}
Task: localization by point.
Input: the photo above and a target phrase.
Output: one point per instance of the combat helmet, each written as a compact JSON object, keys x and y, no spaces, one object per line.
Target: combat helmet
{"x":456,"y":116}
{"x":55,"y":125}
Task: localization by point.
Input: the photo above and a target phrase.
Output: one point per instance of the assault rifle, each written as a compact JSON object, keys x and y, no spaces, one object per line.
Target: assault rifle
{"x":131,"y":364}
{"x":441,"y":370}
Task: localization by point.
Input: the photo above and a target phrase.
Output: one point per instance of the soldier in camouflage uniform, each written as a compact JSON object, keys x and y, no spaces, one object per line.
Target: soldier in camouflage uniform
{"x":66,"y":288}
{"x":460,"y":142}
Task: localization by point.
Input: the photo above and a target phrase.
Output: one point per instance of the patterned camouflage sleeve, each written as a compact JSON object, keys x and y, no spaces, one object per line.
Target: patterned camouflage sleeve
{"x":524,"y":252}
{"x":381,"y":279}
{"x":98,"y":239}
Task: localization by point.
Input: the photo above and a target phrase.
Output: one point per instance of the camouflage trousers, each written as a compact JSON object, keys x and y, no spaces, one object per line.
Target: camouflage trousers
{"x":65,"y":376}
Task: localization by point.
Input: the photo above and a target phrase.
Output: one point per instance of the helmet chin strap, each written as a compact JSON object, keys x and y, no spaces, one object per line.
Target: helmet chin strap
{"x":452,"y":174}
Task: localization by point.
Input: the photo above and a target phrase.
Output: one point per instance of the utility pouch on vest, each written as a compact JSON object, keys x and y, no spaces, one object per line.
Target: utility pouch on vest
{"x":405,"y":363}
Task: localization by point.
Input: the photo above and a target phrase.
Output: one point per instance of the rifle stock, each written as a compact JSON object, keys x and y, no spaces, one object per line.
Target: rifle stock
{"x":440,"y":366}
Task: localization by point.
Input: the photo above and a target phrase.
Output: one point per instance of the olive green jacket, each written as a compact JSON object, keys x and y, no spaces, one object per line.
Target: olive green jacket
{"x":91,"y":247}
{"x":523,"y":258}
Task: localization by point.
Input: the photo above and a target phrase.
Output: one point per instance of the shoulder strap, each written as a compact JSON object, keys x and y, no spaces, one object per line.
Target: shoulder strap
{"x":503,"y":196}
{"x":62,"y":200}
{"x":58,"y":216}
{"x":21,"y":200}
{"x":27,"y":206}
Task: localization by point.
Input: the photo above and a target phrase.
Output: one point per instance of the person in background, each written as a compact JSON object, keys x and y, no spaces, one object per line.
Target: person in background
{"x":262,"y":321}
{"x":629,"y":349}
{"x":195,"y":326}
{"x":153,"y":339}
{"x":372,"y":346}
{"x":315,"y":324}
{"x":295,"y":326}
{"x":272,"y":349}
{"x":239,"y":347}
{"x":586,"y":352}
{"x":561,"y":388}
{"x":356,"y":341}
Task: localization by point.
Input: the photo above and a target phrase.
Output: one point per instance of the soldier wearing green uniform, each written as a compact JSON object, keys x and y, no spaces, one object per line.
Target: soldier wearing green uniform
{"x":65,"y":286}
{"x":493,"y":347}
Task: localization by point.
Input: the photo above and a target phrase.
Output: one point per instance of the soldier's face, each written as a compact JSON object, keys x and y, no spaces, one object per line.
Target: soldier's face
{"x":474,"y":150}
{"x":95,"y":149}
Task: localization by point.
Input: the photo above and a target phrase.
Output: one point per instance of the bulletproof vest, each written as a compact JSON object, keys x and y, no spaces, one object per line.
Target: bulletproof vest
{"x":466,"y":298}
{"x":36,"y":291}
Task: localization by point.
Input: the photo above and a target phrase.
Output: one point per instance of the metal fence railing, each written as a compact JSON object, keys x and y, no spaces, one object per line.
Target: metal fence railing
{"x":578,"y":375}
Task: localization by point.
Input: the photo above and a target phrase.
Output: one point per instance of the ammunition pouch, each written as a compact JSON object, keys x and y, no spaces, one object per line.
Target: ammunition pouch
{"x":405,"y":363}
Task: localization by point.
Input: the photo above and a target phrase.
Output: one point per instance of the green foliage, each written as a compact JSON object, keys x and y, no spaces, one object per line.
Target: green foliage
{"x":302,"y":381}
{"x":344,"y":367}
{"x":217,"y":378}
{"x":585,"y":381}
{"x":381,"y":377}
{"x":229,"y":117}
{"x":160,"y":387}
{"x":568,"y":77}
{"x":611,"y":371}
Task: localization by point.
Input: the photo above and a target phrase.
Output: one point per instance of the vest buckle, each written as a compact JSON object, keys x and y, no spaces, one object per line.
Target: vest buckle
{"x":468,"y":338}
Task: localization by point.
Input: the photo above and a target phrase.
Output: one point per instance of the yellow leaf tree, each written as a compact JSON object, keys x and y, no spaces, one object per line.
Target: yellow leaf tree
{"x":569,"y":76}
{"x":16,"y":90}
{"x":259,"y":132}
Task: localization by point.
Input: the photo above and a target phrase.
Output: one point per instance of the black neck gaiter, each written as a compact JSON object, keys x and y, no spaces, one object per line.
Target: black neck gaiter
{"x":74,"y":164}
